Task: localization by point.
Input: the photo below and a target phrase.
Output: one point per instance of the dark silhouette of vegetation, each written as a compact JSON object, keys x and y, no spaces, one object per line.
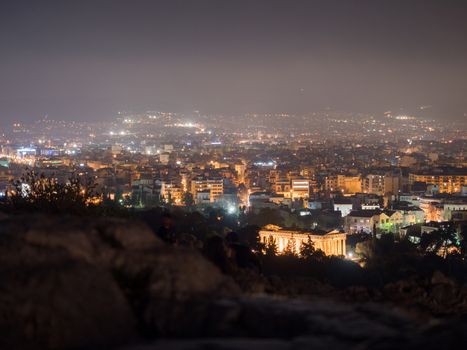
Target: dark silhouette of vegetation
{"x":188,"y":199}
{"x":270,"y":249}
{"x":35,"y":192}
{"x":290,"y":249}
{"x":390,"y":260}
{"x":319,"y":267}
{"x":38,"y":193}
{"x":440,"y":241}
{"x":249,"y":234}
{"x":307,"y":249}
{"x":308,"y":252}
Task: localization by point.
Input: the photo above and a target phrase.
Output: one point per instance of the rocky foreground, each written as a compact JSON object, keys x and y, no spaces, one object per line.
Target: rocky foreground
{"x":76,"y":283}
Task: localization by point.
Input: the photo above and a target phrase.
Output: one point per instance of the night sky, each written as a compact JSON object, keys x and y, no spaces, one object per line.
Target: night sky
{"x":85,"y":60}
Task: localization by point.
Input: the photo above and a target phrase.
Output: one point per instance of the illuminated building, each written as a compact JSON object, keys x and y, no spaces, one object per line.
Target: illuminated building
{"x":213,"y":185}
{"x":282,"y":187}
{"x":343,"y":205}
{"x":203,"y":197}
{"x":390,"y":221}
{"x":330,"y":183}
{"x":349,"y":184}
{"x":447,"y":181}
{"x":218,"y":165}
{"x":392,"y":184}
{"x":171,"y":193}
{"x":454,"y":208}
{"x":441,"y":209}
{"x":295,"y":188}
{"x":26,"y":151}
{"x":361,"y":221}
{"x":373,"y":183}
{"x":411,"y":214}
{"x":331,"y":243}
{"x":431,"y":208}
{"x":300,"y":188}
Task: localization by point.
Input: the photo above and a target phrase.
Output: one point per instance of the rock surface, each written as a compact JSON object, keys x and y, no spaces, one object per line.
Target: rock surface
{"x":79,"y":283}
{"x":276,"y":324}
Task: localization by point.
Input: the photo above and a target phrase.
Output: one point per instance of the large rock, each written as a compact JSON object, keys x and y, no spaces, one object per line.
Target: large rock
{"x":96,"y":241}
{"x":275,"y":323}
{"x":439,"y":296}
{"x":3,"y":216}
{"x":50,"y":300}
{"x":85,"y":282}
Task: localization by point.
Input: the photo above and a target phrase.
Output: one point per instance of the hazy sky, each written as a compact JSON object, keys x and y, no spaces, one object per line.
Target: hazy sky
{"x":88,"y":59}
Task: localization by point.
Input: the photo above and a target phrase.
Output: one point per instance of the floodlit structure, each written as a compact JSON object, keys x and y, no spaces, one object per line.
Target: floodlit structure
{"x":331,"y":243}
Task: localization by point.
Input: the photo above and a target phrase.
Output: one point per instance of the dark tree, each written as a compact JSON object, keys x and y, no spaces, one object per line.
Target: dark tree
{"x":271,"y":247}
{"x":290,"y":249}
{"x":250,"y":235}
{"x":188,"y":199}
{"x":307,"y":249}
{"x":34,"y":192}
{"x":439,"y":241}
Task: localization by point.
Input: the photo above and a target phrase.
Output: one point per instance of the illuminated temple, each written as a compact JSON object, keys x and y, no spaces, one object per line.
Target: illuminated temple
{"x":331,"y":243}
